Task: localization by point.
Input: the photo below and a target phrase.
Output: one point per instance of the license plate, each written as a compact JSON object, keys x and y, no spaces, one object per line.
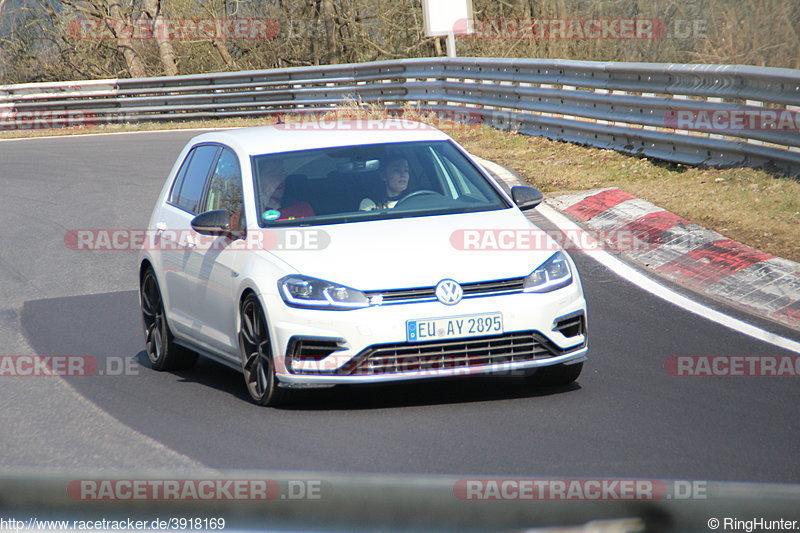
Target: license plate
{"x":453,"y":327}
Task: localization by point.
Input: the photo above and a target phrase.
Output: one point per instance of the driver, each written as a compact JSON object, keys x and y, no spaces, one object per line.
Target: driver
{"x":395,"y":176}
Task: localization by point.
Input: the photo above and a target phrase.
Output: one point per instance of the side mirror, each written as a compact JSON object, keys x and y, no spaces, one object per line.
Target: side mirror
{"x":526,"y":197}
{"x":215,"y":223}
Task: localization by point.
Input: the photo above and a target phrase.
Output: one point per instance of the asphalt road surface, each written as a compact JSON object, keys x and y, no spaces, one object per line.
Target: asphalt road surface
{"x":625,"y":417}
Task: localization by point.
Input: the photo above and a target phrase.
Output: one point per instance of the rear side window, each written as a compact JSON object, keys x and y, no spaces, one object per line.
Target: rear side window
{"x":188,"y":189}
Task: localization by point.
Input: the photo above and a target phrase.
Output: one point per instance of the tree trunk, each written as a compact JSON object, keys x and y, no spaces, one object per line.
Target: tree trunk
{"x":222,"y":49}
{"x":329,"y":21}
{"x":165,"y":50}
{"x":437,"y":46}
{"x":133,"y":62}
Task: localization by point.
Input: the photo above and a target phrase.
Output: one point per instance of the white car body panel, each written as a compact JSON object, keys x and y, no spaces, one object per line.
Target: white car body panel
{"x":202,"y":288}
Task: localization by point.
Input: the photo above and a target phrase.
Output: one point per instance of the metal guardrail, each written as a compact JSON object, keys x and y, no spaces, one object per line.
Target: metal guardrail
{"x":630,"y":107}
{"x":394,"y":502}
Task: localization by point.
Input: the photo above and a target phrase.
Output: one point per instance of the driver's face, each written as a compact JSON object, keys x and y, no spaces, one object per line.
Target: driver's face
{"x":396,"y":176}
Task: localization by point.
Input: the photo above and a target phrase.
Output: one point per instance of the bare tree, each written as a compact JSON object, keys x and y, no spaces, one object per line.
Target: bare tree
{"x":328,"y":15}
{"x":218,"y":41}
{"x":113,"y":12}
{"x":36,"y":44}
{"x":110,"y":13}
{"x":166,"y":52}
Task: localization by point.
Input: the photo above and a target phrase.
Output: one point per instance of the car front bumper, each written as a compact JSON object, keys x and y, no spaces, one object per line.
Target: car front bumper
{"x":360,"y":331}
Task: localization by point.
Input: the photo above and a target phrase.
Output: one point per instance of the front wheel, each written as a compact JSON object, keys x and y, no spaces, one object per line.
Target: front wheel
{"x":556,"y":375}
{"x":163,"y":352}
{"x":257,"y":363}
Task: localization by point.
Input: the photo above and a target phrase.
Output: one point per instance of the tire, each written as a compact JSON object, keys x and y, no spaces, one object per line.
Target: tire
{"x":556,"y":375}
{"x":256,"y":350}
{"x":163,"y":352}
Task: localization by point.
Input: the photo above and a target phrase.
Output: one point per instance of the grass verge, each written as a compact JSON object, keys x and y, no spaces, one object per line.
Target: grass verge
{"x":751,"y":206}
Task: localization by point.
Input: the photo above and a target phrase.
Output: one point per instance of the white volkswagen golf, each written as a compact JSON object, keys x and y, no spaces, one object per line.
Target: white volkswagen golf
{"x":310,"y":255}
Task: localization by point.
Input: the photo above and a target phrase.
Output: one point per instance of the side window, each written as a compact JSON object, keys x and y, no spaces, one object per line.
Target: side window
{"x":443,"y":175}
{"x":225,"y":189}
{"x":189,"y":189}
{"x":176,"y":186}
{"x":456,"y":178}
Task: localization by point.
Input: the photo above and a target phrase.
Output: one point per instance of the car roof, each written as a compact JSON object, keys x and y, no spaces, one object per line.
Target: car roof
{"x":293,"y":136}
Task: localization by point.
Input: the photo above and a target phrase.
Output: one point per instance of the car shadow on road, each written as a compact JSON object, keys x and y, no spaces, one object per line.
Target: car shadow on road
{"x":206,"y":373}
{"x":108,"y":325}
{"x":105,"y":326}
{"x":422,"y":393}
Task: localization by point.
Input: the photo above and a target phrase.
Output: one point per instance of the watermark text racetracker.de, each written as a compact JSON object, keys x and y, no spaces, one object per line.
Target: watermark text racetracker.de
{"x":179,"y":239}
{"x":20,"y":119}
{"x":733,"y":365}
{"x":66,"y":366}
{"x":394,"y":120}
{"x":580,"y":29}
{"x":210,"y":489}
{"x":561,"y":489}
{"x":726,"y":120}
{"x":421,"y":366}
{"x":173,"y":29}
{"x":587,"y":240}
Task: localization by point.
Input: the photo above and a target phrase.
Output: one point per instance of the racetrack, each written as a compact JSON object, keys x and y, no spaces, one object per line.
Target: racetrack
{"x":626,"y":417}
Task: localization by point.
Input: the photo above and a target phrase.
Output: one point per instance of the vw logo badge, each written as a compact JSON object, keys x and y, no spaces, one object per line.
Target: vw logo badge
{"x":449,"y":292}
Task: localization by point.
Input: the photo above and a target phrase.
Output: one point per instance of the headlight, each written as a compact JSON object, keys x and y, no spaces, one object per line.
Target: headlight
{"x":551,"y":275}
{"x":304,"y":291}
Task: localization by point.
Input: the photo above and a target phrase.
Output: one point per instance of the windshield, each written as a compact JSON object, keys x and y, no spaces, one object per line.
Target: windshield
{"x":369,"y":182}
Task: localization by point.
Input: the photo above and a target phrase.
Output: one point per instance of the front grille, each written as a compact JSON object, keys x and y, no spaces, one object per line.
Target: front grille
{"x":449,"y":354}
{"x":502,"y":285}
{"x":398,"y":295}
{"x":480,"y":288}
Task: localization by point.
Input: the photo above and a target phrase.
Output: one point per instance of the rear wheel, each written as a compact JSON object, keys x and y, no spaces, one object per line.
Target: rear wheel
{"x":556,"y":375}
{"x":257,"y":363}
{"x":162,"y":351}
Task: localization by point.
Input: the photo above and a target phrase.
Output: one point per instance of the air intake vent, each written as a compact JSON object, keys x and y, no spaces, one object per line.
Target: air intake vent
{"x":571,"y":325}
{"x":312,"y":348}
{"x":449,"y":354}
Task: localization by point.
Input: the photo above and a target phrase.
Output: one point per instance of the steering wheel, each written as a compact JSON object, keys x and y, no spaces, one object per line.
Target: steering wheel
{"x":422,"y":192}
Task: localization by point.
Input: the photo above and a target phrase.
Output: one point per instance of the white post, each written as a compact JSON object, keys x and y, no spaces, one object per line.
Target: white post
{"x":451,"y":45}
{"x":446,"y":18}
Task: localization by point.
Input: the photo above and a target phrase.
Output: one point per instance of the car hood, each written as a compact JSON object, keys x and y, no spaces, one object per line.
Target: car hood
{"x":418,"y":251}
